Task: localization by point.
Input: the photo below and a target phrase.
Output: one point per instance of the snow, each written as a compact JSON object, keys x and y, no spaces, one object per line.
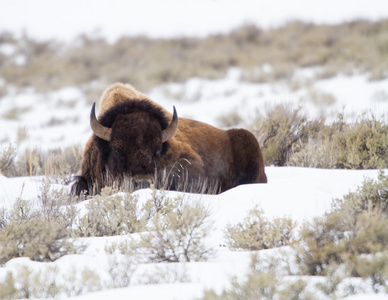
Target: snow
{"x":299,"y":193}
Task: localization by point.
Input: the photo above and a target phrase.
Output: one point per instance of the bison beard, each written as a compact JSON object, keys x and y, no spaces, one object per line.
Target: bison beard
{"x":135,"y":140}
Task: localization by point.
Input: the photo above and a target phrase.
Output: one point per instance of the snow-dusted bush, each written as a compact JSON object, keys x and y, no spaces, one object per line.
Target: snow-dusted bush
{"x":340,"y":238}
{"x":257,"y":232}
{"x":38,"y":231}
{"x":165,"y":273}
{"x":81,"y":281}
{"x":374,"y":267}
{"x":112,"y":215}
{"x":36,"y":238}
{"x":372,"y":195}
{"x":24,"y":283}
{"x":263,"y":281}
{"x":121,"y":269}
{"x":357,"y":225}
{"x":177,"y":232}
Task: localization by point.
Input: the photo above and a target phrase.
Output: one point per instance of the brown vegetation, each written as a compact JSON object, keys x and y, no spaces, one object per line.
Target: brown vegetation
{"x":354,"y":47}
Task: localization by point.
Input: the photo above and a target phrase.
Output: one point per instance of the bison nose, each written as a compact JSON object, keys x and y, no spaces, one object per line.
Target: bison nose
{"x":142,"y":184}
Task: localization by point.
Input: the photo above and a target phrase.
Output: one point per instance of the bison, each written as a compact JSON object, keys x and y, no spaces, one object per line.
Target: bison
{"x":136,"y":138}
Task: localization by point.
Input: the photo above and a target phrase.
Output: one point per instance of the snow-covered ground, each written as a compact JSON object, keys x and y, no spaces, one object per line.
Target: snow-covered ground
{"x":295,"y":192}
{"x":299,"y":193}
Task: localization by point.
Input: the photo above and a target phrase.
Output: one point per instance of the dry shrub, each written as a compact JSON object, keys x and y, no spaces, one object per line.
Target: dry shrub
{"x":7,"y":160}
{"x":177,"y":232}
{"x":328,"y":240}
{"x":281,"y":130}
{"x":38,"y":231}
{"x":61,"y":163}
{"x":7,"y":287}
{"x":288,"y":138}
{"x":111,"y":215}
{"x":31,"y":163}
{"x":315,"y":153}
{"x":263,"y":282}
{"x":374,"y":267}
{"x":357,"y":225}
{"x":121,"y":270}
{"x":24,"y":283}
{"x":370,"y":196}
{"x":81,"y":281}
{"x":165,"y":273}
{"x":363,"y":145}
{"x":256,"y":232}
{"x":38,"y":239}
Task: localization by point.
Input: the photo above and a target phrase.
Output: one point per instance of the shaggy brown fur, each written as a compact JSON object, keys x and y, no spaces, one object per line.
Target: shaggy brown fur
{"x":197,"y":151}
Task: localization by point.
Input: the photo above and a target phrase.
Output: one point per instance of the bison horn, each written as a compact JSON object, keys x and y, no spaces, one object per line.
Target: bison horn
{"x":169,"y":132}
{"x":101,"y":131}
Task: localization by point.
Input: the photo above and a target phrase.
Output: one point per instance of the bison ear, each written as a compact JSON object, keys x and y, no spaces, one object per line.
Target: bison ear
{"x":169,"y":132}
{"x":101,"y":131}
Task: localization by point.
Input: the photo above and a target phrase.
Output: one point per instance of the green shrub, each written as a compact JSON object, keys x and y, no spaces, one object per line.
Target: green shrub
{"x":256,"y":232}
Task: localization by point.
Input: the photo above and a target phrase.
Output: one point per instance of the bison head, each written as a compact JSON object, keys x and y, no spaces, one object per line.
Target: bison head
{"x":131,"y":138}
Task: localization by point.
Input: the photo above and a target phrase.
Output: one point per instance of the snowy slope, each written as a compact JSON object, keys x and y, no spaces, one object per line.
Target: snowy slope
{"x":299,"y":193}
